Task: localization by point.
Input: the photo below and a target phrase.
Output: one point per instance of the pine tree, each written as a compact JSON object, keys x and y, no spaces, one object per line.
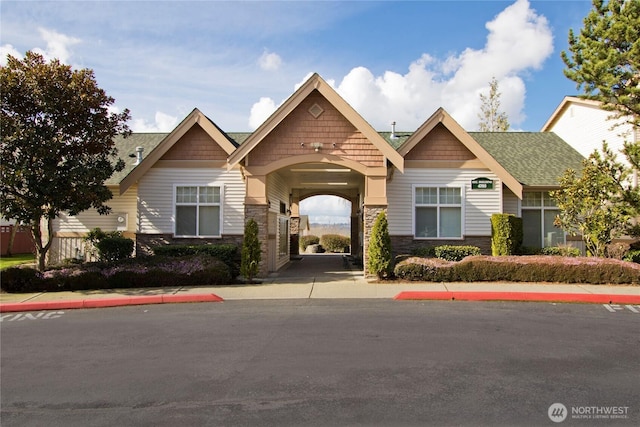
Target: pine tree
{"x":251,"y":253}
{"x":380,"y":260}
{"x":604,"y":58}
{"x":491,"y":118}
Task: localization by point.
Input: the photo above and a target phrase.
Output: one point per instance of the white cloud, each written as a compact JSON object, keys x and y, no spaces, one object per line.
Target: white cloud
{"x":162,"y":123}
{"x":326,"y":209}
{"x":8,"y":49}
{"x":58,"y":45}
{"x":270,"y":61}
{"x":518,"y":40}
{"x":260,"y":111}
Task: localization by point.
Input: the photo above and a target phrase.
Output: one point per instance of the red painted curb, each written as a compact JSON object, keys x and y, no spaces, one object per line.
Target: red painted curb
{"x":107,"y":302}
{"x":518,"y":296}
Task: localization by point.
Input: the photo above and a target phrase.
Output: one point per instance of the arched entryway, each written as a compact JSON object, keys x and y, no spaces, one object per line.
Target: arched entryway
{"x":315,"y":143}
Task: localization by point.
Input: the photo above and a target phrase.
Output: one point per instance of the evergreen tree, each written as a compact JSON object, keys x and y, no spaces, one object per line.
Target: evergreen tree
{"x":491,"y":118}
{"x":251,"y":253}
{"x":380,"y":261}
{"x":604,"y":59}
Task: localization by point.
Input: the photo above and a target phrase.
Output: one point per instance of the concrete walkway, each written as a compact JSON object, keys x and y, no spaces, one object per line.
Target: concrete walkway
{"x":324,"y":276}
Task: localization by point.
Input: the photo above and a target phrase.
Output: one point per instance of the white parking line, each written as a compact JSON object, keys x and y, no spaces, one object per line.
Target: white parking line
{"x":617,"y":307}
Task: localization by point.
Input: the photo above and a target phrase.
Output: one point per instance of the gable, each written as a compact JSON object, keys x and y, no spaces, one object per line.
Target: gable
{"x":440,"y":144}
{"x":316,"y":121}
{"x":196,"y":144}
{"x":293,"y":106}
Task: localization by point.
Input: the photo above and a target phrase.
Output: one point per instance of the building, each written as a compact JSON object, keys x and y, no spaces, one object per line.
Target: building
{"x":438,"y":184}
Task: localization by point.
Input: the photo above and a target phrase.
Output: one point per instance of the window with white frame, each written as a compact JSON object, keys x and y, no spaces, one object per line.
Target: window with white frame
{"x":438,"y":212}
{"x":539,"y":211}
{"x":198,"y":211}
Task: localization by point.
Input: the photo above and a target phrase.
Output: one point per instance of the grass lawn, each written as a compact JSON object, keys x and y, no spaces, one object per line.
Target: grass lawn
{"x":6,"y":262}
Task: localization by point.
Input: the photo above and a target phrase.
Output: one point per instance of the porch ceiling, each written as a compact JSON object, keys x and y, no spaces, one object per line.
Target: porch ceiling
{"x":321,"y":176}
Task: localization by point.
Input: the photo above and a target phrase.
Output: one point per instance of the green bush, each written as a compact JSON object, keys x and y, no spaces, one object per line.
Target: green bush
{"x":568,"y":251}
{"x":633,"y":256}
{"x":251,"y":252}
{"x":116,"y":248}
{"x":226,"y":253}
{"x":380,"y":261}
{"x":19,"y":279}
{"x":506,"y":234}
{"x":308,"y":240}
{"x":335,"y":243}
{"x":455,"y":253}
{"x":424,"y":251}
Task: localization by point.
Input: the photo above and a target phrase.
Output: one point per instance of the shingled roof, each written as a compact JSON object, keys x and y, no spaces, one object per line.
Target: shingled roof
{"x":127,"y":146}
{"x":536,"y":159}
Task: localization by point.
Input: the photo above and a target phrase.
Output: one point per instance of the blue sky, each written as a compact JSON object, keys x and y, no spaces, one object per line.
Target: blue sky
{"x":237,"y":61}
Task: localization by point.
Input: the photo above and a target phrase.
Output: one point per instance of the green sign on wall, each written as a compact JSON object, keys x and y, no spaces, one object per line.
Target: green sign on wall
{"x":482,"y":184}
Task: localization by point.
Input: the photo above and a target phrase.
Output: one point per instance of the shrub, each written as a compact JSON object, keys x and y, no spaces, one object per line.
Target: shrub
{"x":424,"y":251}
{"x":226,"y":253}
{"x":455,"y":253}
{"x":112,"y":249}
{"x":18,"y":279}
{"x":335,"y":243}
{"x":308,"y":240}
{"x":251,"y":252}
{"x":380,"y":261}
{"x":633,"y":256}
{"x":506,"y":234}
{"x":521,"y":269}
{"x":568,"y":251}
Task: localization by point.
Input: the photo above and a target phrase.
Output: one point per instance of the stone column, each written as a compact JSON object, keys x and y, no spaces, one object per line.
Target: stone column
{"x":294,"y":224}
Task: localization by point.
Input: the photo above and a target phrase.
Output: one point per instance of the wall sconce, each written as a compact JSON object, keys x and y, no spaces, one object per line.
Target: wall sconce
{"x":316,"y":146}
{"x":302,"y":144}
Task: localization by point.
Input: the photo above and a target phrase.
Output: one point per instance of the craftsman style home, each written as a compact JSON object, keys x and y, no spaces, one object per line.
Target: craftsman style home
{"x":438,"y":184}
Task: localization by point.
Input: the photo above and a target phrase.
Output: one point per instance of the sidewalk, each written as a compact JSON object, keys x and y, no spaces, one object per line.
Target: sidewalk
{"x":324,"y":277}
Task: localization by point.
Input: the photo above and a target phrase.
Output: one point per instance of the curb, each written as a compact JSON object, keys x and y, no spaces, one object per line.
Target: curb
{"x":518,"y":296}
{"x":107,"y":302}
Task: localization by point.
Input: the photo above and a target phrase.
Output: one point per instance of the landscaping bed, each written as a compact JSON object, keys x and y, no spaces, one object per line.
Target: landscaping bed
{"x":538,"y":268}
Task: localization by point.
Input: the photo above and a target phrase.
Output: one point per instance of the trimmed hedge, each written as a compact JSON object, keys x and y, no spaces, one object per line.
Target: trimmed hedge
{"x":307,"y":241}
{"x":114,"y":248}
{"x":633,"y":256}
{"x":520,"y":269}
{"x":506,"y":234}
{"x":335,"y":243}
{"x":227,"y":253}
{"x":455,"y":253}
{"x":568,"y":251}
{"x":154,"y":272}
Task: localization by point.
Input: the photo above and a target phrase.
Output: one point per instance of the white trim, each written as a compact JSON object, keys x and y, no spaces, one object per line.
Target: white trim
{"x":220,"y":204}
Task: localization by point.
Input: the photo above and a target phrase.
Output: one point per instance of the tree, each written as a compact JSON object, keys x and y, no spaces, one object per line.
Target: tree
{"x":604,"y":58}
{"x":251,"y":252}
{"x":380,"y":261}
{"x":491,"y":118}
{"x":57,"y":144}
{"x":593,"y":204}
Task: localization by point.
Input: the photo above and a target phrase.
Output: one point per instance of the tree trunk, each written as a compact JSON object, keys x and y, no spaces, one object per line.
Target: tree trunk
{"x":41,"y":249}
{"x":12,"y":238}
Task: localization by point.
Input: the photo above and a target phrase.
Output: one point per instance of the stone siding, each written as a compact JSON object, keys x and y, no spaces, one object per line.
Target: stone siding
{"x":260,"y":214}
{"x":370,"y":215}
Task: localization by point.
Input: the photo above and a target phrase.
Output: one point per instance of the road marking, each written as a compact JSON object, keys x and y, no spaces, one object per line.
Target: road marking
{"x":29,"y":316}
{"x":617,"y":307}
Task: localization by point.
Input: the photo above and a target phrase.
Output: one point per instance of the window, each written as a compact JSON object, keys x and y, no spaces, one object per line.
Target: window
{"x":198,"y":211}
{"x":539,"y":211}
{"x":438,"y":212}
